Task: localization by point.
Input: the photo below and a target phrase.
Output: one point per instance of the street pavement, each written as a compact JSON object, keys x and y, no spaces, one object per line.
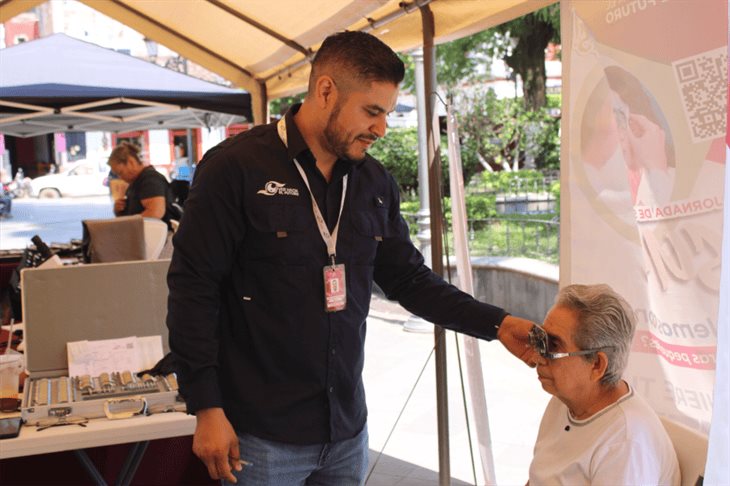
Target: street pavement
{"x":393,"y":361}
{"x":54,"y":220}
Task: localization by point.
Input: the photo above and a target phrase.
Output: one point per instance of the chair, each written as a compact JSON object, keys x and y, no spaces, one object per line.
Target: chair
{"x":155,"y":237}
{"x":114,"y":240}
{"x":123,"y":239}
{"x":691,"y":449}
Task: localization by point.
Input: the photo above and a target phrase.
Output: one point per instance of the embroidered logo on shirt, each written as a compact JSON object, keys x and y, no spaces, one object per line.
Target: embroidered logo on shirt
{"x":272,"y":188}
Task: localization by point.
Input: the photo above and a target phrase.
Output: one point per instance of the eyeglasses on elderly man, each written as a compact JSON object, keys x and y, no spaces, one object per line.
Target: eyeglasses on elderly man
{"x":596,"y":429}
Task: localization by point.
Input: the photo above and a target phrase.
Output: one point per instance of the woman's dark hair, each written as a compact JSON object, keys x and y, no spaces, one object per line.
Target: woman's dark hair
{"x":357,"y":55}
{"x":122,"y":152}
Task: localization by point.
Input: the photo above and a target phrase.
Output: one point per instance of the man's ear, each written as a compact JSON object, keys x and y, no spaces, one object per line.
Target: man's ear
{"x":600,"y":364}
{"x":325,"y":91}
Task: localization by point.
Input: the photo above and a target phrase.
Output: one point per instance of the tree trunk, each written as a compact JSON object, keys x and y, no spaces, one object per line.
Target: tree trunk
{"x":528,"y":60}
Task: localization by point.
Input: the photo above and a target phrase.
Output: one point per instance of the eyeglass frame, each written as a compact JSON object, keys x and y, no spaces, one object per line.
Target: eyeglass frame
{"x":538,"y":339}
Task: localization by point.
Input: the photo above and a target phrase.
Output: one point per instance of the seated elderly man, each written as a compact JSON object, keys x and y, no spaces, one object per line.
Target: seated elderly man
{"x":596,"y":429}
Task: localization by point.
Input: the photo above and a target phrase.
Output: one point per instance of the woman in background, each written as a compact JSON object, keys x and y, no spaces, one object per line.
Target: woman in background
{"x":148,"y":193}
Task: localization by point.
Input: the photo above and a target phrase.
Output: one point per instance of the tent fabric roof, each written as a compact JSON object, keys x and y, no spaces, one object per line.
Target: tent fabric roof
{"x":264,"y":46}
{"x":70,"y":84}
{"x":257,"y":40}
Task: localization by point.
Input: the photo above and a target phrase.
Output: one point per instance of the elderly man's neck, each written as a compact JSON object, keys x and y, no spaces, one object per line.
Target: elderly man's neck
{"x":599,"y":398}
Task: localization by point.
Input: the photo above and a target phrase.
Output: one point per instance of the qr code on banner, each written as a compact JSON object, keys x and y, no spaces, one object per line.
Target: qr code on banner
{"x":702,"y":81}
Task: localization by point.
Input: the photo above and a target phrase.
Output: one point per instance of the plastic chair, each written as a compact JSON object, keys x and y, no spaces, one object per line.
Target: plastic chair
{"x":691,"y":449}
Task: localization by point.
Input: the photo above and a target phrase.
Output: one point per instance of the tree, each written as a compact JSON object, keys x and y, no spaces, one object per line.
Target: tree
{"x":521,"y":43}
{"x":398,"y":152}
{"x":279,"y":106}
{"x":532,"y":32}
{"x":494,"y":132}
{"x":457,"y":61}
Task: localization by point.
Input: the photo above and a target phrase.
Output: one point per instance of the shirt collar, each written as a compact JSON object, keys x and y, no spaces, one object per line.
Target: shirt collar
{"x":298,"y":147}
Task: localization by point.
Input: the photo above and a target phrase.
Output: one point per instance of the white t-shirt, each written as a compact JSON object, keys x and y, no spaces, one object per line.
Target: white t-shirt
{"x":623,"y":444}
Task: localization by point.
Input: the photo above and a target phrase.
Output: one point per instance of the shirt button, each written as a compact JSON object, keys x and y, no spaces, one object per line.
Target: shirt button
{"x":332,"y":389}
{"x":333,"y":351}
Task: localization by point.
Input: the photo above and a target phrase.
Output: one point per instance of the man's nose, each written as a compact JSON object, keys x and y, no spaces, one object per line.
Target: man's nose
{"x":379,"y":127}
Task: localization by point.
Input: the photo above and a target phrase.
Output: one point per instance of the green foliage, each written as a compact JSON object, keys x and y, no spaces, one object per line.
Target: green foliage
{"x":481,"y":206}
{"x":498,"y":131}
{"x":398,"y":152}
{"x":555,"y":192}
{"x":409,"y":80}
{"x":495,"y":234}
{"x":457,"y":61}
{"x":514,"y":237}
{"x":528,"y":37}
{"x":410,"y":207}
{"x":279,"y":106}
{"x":510,"y":182}
{"x":525,"y":25}
{"x":481,"y":199}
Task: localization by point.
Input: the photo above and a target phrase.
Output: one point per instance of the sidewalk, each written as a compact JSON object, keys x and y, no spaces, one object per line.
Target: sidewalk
{"x":393,"y":360}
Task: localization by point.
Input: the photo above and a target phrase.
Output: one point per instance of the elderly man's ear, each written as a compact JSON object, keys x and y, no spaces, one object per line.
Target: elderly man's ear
{"x":599,"y":366}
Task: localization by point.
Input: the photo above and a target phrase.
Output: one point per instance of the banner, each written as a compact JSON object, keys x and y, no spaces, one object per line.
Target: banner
{"x":718,"y":467}
{"x":475,"y":377}
{"x":645,"y":108}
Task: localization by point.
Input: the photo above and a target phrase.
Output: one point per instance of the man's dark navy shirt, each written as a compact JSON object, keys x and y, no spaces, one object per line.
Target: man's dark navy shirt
{"x":246,"y":307}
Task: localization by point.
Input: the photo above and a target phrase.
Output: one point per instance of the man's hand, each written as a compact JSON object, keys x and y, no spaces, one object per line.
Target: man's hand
{"x":120,"y":205}
{"x":216,"y":444}
{"x":647,"y":140}
{"x":513,"y":334}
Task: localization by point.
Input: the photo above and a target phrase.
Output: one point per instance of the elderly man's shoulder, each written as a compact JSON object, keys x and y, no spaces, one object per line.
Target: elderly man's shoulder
{"x":636,"y":411}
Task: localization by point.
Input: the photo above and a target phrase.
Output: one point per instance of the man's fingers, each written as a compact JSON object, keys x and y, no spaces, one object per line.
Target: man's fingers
{"x":236,"y":463}
{"x":212,"y":469}
{"x":224,"y":469}
{"x":234,"y":455}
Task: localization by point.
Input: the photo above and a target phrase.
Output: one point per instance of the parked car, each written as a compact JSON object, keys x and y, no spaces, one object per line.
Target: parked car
{"x":85,"y":179}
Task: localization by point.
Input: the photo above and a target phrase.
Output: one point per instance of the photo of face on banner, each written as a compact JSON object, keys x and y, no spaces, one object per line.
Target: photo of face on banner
{"x":643,"y":132}
{"x":624,"y":137}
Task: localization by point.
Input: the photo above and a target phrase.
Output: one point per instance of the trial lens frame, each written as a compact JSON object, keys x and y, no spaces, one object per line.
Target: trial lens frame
{"x":539,"y":340}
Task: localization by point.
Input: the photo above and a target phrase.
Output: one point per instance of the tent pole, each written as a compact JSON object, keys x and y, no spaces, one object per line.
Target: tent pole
{"x":260,"y":105}
{"x":434,"y":182}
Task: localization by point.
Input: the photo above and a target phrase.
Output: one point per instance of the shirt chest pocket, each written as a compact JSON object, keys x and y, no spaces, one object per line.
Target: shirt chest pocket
{"x":371,"y":226}
{"x":279,"y":231}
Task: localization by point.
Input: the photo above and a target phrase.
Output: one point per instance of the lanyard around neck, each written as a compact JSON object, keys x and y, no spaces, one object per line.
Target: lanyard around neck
{"x":330,"y":239}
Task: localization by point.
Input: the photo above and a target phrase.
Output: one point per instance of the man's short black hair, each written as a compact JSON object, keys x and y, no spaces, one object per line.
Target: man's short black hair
{"x":359,"y":56}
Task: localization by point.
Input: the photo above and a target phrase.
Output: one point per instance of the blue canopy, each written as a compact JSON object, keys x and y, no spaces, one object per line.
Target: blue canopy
{"x":59,"y":83}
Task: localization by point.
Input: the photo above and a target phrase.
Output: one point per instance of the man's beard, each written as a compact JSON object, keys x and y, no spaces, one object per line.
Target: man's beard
{"x":336,"y":138}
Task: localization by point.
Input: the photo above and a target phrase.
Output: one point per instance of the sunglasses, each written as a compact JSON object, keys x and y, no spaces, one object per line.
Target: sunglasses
{"x":540,"y":341}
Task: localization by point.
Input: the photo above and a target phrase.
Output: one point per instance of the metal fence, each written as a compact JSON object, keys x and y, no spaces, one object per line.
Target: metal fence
{"x":516,"y":186}
{"x":531,"y":238}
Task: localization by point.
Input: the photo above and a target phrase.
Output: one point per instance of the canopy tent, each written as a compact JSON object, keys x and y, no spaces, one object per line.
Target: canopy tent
{"x":265,"y":47}
{"x":59,"y":83}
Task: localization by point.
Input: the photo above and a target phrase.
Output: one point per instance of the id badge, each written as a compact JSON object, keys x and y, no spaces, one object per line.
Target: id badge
{"x":335,"y":290}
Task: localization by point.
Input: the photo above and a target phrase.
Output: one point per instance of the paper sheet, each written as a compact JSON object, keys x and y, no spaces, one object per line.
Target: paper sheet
{"x":109,"y":355}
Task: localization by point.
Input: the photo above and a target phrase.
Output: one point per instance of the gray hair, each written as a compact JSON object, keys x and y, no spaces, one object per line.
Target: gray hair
{"x":605,"y":320}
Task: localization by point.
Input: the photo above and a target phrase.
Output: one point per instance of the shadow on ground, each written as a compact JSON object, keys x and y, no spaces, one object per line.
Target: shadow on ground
{"x":390,"y":471}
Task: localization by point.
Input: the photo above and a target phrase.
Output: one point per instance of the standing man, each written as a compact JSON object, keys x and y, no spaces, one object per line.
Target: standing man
{"x":286,"y":227}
